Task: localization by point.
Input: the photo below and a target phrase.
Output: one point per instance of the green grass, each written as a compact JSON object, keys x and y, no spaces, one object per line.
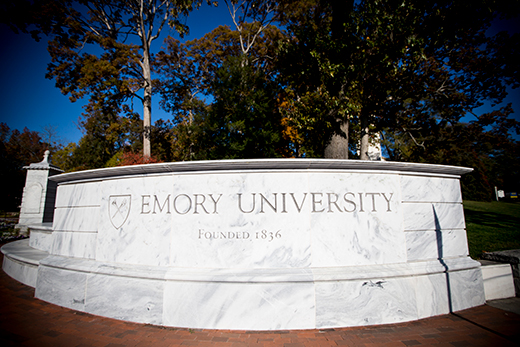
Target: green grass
{"x":492,"y":226}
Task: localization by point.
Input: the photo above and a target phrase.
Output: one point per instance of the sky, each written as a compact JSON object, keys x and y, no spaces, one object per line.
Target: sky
{"x":30,"y":100}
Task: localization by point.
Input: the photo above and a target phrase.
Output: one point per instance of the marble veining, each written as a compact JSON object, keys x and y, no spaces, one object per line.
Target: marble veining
{"x":61,"y":287}
{"x":242,"y":306}
{"x":144,"y":237}
{"x":77,"y":219}
{"x":74,"y":244}
{"x":432,"y":216}
{"x":22,"y":272}
{"x":366,"y":302}
{"x":430,"y":189}
{"x":78,"y":195}
{"x":432,"y":296}
{"x":466,"y":289}
{"x":123,"y":298}
{"x":422,"y":245}
{"x":260,"y":244}
{"x":41,"y":240}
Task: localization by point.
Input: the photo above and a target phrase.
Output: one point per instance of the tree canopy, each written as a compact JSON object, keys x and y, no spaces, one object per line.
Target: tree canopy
{"x":103,"y":49}
{"x":401,"y":65}
{"x":17,"y":149}
{"x":306,"y":78}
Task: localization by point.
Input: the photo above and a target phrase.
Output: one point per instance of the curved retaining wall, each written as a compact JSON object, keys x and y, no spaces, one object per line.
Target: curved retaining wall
{"x":261,"y":244}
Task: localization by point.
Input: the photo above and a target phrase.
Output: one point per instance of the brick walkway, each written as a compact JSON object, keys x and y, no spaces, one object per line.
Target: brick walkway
{"x":26,"y":321}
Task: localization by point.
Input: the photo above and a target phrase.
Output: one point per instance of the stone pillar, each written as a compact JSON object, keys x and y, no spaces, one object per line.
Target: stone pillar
{"x":39,"y":194}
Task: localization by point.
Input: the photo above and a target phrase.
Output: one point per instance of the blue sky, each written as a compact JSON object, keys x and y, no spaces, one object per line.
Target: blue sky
{"x":30,"y":100}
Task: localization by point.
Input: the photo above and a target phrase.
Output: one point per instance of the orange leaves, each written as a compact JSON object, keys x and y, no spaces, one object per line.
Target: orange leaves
{"x":134,"y":158}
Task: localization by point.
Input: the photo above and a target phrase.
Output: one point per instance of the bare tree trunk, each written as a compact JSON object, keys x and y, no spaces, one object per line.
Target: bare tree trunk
{"x":364,"y":137}
{"x":338,"y":146}
{"x":147,"y":107}
{"x":144,"y":29}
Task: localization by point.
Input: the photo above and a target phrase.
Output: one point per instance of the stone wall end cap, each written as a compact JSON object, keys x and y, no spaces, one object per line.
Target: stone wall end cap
{"x":511,"y":256}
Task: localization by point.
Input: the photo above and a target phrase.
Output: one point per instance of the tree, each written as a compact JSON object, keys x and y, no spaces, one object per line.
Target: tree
{"x":49,"y":135}
{"x":315,"y":80}
{"x":17,"y":149}
{"x":485,"y":144}
{"x":390,"y":64}
{"x":122,"y":31}
{"x":242,"y":122}
{"x":187,"y":70}
{"x":188,"y":73}
{"x":261,"y":13}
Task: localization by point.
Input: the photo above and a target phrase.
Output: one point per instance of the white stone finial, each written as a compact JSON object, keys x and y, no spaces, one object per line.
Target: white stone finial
{"x":46,"y":156}
{"x":45,"y":164}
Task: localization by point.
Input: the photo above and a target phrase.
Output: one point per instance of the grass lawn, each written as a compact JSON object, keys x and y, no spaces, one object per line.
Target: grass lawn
{"x":492,"y":226}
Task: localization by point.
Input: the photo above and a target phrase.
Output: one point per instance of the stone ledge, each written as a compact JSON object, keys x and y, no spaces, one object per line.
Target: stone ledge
{"x":511,"y":257}
{"x":21,"y":251}
{"x":498,"y":280}
{"x":21,"y":262}
{"x":43,"y":227}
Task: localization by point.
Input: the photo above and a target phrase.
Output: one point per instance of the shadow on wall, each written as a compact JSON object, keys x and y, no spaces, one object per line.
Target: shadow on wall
{"x":438,"y":233}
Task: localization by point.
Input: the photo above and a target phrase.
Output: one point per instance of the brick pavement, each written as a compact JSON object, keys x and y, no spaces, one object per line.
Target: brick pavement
{"x":26,"y":321}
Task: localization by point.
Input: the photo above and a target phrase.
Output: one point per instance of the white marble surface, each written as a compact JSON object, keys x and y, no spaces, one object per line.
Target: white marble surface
{"x":41,"y":239}
{"x":365,"y":302}
{"x":74,"y":244}
{"x":431,"y":293}
{"x":21,"y":261}
{"x":38,"y":194}
{"x":266,"y":165}
{"x":262,"y":245}
{"x":424,"y":245}
{"x":22,"y":272}
{"x":370,"y":234}
{"x":432,"y":216}
{"x":77,"y":219}
{"x":33,"y":197}
{"x":466,"y":289}
{"x":498,"y":281}
{"x":131,"y":299}
{"x":286,"y":220}
{"x":256,"y":306}
{"x":78,"y":194}
{"x":259,"y":275}
{"x":264,"y":299}
{"x":259,"y":238}
{"x":21,"y":251}
{"x":430,"y":189}
{"x":61,"y":287}
{"x":136,"y":221}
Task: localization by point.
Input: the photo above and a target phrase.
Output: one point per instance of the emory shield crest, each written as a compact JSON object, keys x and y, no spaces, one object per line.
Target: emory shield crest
{"x":119,"y":209}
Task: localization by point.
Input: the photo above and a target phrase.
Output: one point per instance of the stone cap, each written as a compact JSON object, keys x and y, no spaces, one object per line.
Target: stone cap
{"x":44,"y":164}
{"x":263,"y":164}
{"x":510,"y":256}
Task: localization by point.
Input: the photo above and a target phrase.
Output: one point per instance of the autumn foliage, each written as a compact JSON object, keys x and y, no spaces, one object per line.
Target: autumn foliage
{"x":290,"y":79}
{"x":132,"y":158}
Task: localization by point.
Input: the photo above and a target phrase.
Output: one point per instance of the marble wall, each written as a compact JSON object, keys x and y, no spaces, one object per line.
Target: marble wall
{"x":277,"y":246}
